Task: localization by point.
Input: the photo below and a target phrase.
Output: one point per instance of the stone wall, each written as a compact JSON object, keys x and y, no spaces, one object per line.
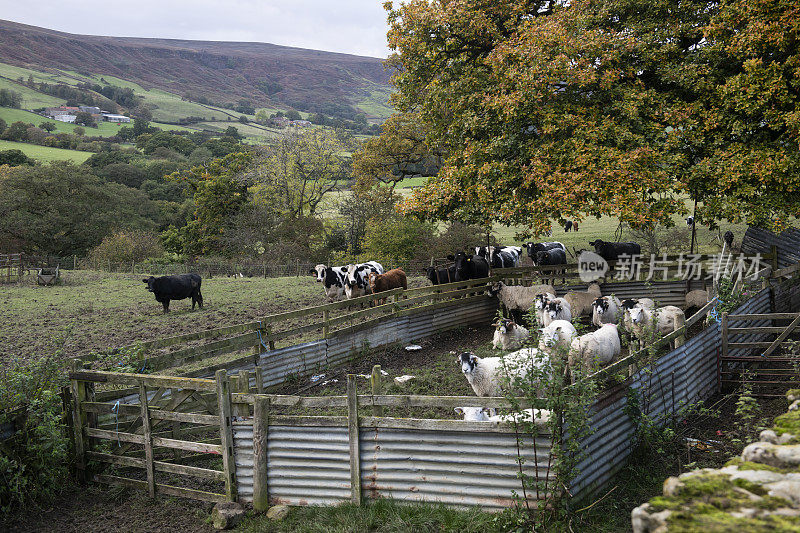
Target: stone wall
{"x":758,"y":491}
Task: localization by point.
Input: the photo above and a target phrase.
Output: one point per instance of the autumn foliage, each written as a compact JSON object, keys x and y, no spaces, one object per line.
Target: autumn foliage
{"x":548,"y":111}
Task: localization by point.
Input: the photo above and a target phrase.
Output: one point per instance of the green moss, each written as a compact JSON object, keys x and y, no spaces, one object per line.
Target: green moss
{"x":788,"y":423}
{"x":708,"y":494}
{"x":719,"y":521}
{"x":793,"y":392}
{"x":748,"y":465}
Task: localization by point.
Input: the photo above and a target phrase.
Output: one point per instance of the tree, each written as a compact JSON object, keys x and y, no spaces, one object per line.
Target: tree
{"x":299,"y":169}
{"x":262,"y":117}
{"x":126,"y":174}
{"x":548,"y":110}
{"x":293,"y":114}
{"x":64,"y":209}
{"x":14,"y":158}
{"x":169,"y":140}
{"x":220,"y":190}
{"x":48,"y":126}
{"x":9,"y":98}
{"x":2,"y":125}
{"x":85,"y":119}
{"x":400,"y":152}
{"x":366,"y":203}
{"x":233,"y":133}
{"x":79,"y":131}
{"x":244,"y":120}
{"x":17,"y":131}
{"x":35,"y":135}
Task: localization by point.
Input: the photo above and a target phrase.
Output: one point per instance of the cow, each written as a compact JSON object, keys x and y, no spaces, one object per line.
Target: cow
{"x":505,"y":257}
{"x":393,"y":279}
{"x":441,"y":275}
{"x":554,"y":256}
{"x":469,"y":266}
{"x":332,"y":279}
{"x":568,"y":226}
{"x":534,"y":247}
{"x":610,"y":251}
{"x":357,"y":279}
{"x":177,"y":287}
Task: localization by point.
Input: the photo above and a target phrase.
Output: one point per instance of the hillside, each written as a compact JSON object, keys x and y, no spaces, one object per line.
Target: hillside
{"x":265,"y":74}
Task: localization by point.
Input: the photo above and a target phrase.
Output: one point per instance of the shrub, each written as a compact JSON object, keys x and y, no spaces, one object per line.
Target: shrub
{"x":127,"y":246}
{"x":398,"y":239}
{"x":34,"y":463}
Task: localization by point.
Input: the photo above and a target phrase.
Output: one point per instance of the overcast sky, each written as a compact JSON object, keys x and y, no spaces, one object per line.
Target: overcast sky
{"x":350,"y":26}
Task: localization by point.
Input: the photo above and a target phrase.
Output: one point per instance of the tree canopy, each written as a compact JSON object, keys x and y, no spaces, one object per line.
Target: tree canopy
{"x":550,"y":110}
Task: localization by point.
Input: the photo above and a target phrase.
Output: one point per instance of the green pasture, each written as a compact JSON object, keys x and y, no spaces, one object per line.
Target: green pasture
{"x":45,"y":153}
{"x":375,"y":103}
{"x":104,"y":129}
{"x":31,"y":99}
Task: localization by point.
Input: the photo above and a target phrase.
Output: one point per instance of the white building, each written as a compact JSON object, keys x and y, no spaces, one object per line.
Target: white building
{"x":108,"y":117}
{"x":64,"y":118}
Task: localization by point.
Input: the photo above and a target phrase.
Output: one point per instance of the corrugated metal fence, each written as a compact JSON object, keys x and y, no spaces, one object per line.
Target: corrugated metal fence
{"x":310,"y":465}
{"x":757,"y":240}
{"x":684,"y":376}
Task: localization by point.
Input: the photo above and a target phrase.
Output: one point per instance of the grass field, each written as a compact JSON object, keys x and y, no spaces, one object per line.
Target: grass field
{"x":45,"y":153}
{"x":31,"y":99}
{"x":104,"y":129}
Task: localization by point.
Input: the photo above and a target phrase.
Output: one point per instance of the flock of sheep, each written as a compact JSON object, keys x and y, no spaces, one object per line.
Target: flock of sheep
{"x":558,"y":337}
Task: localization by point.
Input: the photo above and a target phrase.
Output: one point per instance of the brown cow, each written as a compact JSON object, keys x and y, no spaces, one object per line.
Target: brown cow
{"x":392,"y":279}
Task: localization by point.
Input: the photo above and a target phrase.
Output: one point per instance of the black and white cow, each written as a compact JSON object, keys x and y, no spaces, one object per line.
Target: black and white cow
{"x":469,"y":266}
{"x":534,"y":247}
{"x":506,"y":257}
{"x":332,"y":279}
{"x":357,"y":278}
{"x":554,"y":256}
{"x":177,"y":287}
{"x":610,"y":251}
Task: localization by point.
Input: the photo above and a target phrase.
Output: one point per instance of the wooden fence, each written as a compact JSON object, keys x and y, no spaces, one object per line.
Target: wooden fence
{"x":12,"y":267}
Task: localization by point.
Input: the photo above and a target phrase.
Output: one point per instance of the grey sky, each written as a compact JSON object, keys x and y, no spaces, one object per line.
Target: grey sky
{"x":350,"y":26}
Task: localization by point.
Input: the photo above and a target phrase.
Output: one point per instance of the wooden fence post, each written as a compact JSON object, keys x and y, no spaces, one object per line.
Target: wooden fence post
{"x":260,"y":443}
{"x":241,"y":385}
{"x":326,"y":315}
{"x":78,"y":389}
{"x":148,"y":441}
{"x":680,"y":322}
{"x":724,"y":335}
{"x":352,"y":424}
{"x":774,"y":251}
{"x":377,"y":387}
{"x":226,"y":433}
{"x":259,"y":380}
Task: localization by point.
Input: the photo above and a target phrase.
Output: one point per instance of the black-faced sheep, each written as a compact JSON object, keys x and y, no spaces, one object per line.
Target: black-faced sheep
{"x":489,"y":375}
{"x":664,"y":320}
{"x":597,"y":348}
{"x":580,"y":303}
{"x":556,"y":309}
{"x":509,"y":335}
{"x":606,"y":310}
{"x":517,"y":298}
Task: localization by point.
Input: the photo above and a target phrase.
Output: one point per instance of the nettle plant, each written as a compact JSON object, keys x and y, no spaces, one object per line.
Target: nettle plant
{"x":562,"y":406}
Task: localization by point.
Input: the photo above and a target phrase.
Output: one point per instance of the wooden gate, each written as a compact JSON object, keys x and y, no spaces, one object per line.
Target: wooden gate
{"x":750,"y":354}
{"x":141,"y":430}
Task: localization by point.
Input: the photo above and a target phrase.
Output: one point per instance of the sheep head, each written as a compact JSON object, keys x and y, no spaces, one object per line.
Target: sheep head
{"x":477,"y":414}
{"x":468,"y":361}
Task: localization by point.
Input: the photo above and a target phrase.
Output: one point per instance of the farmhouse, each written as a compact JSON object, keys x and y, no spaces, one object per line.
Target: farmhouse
{"x":109,"y":117}
{"x":61,"y":111}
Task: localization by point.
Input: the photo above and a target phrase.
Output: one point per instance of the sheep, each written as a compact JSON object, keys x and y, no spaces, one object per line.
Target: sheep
{"x":489,"y":414}
{"x":597,"y":348}
{"x":664,"y":320}
{"x":606,"y":310}
{"x":509,"y":335}
{"x":630,"y":303}
{"x":580,"y":303}
{"x":488,"y":375}
{"x":558,"y":334}
{"x":696,"y":298}
{"x":539,"y":304}
{"x":556,"y":309}
{"x":517,"y":297}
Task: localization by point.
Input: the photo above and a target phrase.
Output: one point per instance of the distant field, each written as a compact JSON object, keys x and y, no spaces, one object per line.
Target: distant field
{"x":31,"y":99}
{"x":46,"y":154}
{"x":376,"y":103}
{"x":104,"y":129}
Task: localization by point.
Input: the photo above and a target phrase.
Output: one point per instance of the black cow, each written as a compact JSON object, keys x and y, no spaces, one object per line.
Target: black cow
{"x":176,"y":287}
{"x":568,"y":226}
{"x":534,"y":247}
{"x":554,"y":256}
{"x":610,"y":251}
{"x":441,"y":275}
{"x":469,"y":266}
{"x":728,"y":237}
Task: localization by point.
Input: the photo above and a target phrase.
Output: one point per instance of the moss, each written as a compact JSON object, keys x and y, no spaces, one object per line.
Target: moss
{"x":748,"y":465}
{"x":793,"y":392}
{"x":719,"y":521}
{"x":788,"y":423}
{"x":704,"y":494}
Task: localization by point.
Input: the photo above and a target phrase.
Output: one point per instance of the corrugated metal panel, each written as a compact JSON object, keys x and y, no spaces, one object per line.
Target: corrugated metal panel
{"x":301,"y":359}
{"x":308,"y":465}
{"x":787,"y":296}
{"x":757,"y":240}
{"x":243,"y":458}
{"x":454,"y":468}
{"x":663,"y":292}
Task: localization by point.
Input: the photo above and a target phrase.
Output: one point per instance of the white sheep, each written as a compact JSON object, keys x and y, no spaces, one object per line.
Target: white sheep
{"x":664,"y":320}
{"x":488,"y":375}
{"x":556,"y":309}
{"x":489,"y":414}
{"x":558,"y":334}
{"x":606,"y":310}
{"x":509,"y":335}
{"x":580,"y":303}
{"x":596,"y":348}
{"x":631,"y":303}
{"x":518,"y":297}
{"x":540,"y":302}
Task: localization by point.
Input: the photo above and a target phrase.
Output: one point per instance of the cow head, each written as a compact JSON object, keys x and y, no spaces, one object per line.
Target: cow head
{"x":597,"y":244}
{"x":351,"y":278}
{"x":542,"y":256}
{"x":373,"y":277}
{"x":319,"y":271}
{"x":468,"y":362}
{"x":150,"y":282}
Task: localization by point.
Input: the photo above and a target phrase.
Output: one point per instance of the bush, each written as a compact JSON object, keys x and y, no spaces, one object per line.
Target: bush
{"x":34,"y":463}
{"x":398,"y":239}
{"x":127,"y":246}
